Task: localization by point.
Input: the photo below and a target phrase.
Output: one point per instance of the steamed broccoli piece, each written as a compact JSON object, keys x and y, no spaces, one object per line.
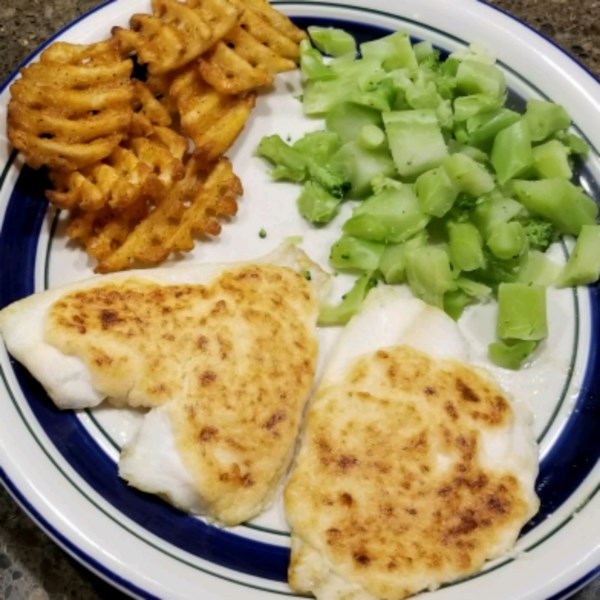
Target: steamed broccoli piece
{"x":583,"y":266}
{"x":316,"y":204}
{"x":318,"y":145}
{"x":429,"y":274}
{"x":311,"y":62}
{"x":297,"y":166}
{"x":463,"y":208}
{"x":467,"y":292}
{"x":355,"y":254}
{"x":521,"y":312}
{"x":511,"y":355}
{"x":332,"y":41}
{"x":540,"y":233}
{"x":340,"y":314}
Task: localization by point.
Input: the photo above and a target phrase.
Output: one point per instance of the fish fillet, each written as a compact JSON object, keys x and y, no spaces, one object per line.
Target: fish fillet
{"x":224,"y":357}
{"x":414,"y":467}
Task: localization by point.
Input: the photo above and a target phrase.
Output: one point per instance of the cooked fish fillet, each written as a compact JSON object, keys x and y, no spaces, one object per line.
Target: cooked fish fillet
{"x":414,"y":467}
{"x":224,"y":355}
{"x":118,"y":335}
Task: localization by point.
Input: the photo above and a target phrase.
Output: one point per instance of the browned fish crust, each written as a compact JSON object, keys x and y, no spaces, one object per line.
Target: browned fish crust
{"x":391,"y":487}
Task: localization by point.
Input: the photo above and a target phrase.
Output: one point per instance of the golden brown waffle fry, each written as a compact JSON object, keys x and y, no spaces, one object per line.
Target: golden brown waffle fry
{"x":276,"y":19}
{"x":240,"y":63}
{"x":147,"y":233}
{"x":149,"y":111}
{"x":138,"y":159}
{"x":176,"y":32}
{"x":144,"y":167}
{"x":212,"y":120}
{"x":73,"y":107}
{"x":271,"y":28}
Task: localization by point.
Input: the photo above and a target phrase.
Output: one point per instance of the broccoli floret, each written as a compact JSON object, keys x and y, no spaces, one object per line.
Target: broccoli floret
{"x":462,"y":208}
{"x":540,"y":233}
{"x":296,"y":165}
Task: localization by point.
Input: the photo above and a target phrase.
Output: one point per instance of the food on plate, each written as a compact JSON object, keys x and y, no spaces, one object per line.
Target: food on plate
{"x":455,"y":189}
{"x":224,"y":355}
{"x":72,"y":107}
{"x":137,"y":155}
{"x":263,"y":43}
{"x":176,"y":32}
{"x":146,"y":233}
{"x":141,"y":169}
{"x":212,"y":120}
{"x":414,"y":467}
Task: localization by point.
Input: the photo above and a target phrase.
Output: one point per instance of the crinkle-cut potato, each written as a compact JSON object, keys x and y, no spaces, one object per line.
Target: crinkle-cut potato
{"x":240,"y":63}
{"x":141,"y":167}
{"x":148,"y":111}
{"x":271,"y":28}
{"x":278,"y":21}
{"x":264,"y":42}
{"x":73,"y":107}
{"x":211,"y":119}
{"x":148,"y":231}
{"x":176,"y":32}
{"x":138,"y":159}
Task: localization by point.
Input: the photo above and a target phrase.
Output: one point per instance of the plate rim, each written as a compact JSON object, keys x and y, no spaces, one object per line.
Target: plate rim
{"x":14,"y":491}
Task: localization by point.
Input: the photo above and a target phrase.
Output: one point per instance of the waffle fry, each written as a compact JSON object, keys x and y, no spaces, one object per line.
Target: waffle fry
{"x":147,"y":233}
{"x":73,"y":107}
{"x":144,"y":167}
{"x":273,"y":17}
{"x":240,"y":63}
{"x":138,"y":158}
{"x":271,"y":28}
{"x":176,"y":32}
{"x":148,"y":111}
{"x":212,"y":120}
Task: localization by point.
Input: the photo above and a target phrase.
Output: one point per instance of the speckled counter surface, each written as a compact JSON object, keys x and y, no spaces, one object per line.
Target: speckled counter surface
{"x":32,"y":567}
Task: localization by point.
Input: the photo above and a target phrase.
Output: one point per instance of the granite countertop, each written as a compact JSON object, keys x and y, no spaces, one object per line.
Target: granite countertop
{"x":32,"y":567}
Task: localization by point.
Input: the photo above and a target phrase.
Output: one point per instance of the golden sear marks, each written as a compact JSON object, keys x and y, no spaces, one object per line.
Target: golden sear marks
{"x":390,"y":485}
{"x":156,"y":334}
{"x":233,"y":360}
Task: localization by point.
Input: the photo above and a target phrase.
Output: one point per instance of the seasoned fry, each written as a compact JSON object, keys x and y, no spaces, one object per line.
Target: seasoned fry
{"x":211,"y":119}
{"x":270,"y":27}
{"x":240,"y":63}
{"x":143,"y":167}
{"x":73,"y":107}
{"x":148,"y":231}
{"x":176,"y":32}
{"x":137,"y":158}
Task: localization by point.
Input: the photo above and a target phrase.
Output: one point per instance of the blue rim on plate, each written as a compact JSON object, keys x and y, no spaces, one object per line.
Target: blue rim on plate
{"x":562,"y":470}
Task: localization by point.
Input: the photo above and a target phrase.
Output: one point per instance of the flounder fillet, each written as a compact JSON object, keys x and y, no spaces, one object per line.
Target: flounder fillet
{"x":414,"y":467}
{"x":223,"y":355}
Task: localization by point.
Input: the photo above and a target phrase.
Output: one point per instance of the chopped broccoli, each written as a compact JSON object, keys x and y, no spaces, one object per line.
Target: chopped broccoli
{"x":340,"y":314}
{"x":540,"y":233}
{"x":298,"y":165}
{"x":463,"y":208}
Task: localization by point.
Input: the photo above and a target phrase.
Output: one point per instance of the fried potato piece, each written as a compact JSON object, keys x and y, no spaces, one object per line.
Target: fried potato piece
{"x":73,"y":107}
{"x":146,"y":233}
{"x":149,"y":111}
{"x":176,"y":32}
{"x":271,"y":27}
{"x":212,"y":120}
{"x":264,"y":42}
{"x":146,"y":163}
{"x":145,"y":166}
{"x":240,"y":63}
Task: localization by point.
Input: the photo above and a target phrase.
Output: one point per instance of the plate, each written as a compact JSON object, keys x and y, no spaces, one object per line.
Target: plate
{"x":61,"y":466}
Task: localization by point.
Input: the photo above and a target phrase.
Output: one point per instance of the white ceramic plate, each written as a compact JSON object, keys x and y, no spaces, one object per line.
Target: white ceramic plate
{"x":61,"y":467}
